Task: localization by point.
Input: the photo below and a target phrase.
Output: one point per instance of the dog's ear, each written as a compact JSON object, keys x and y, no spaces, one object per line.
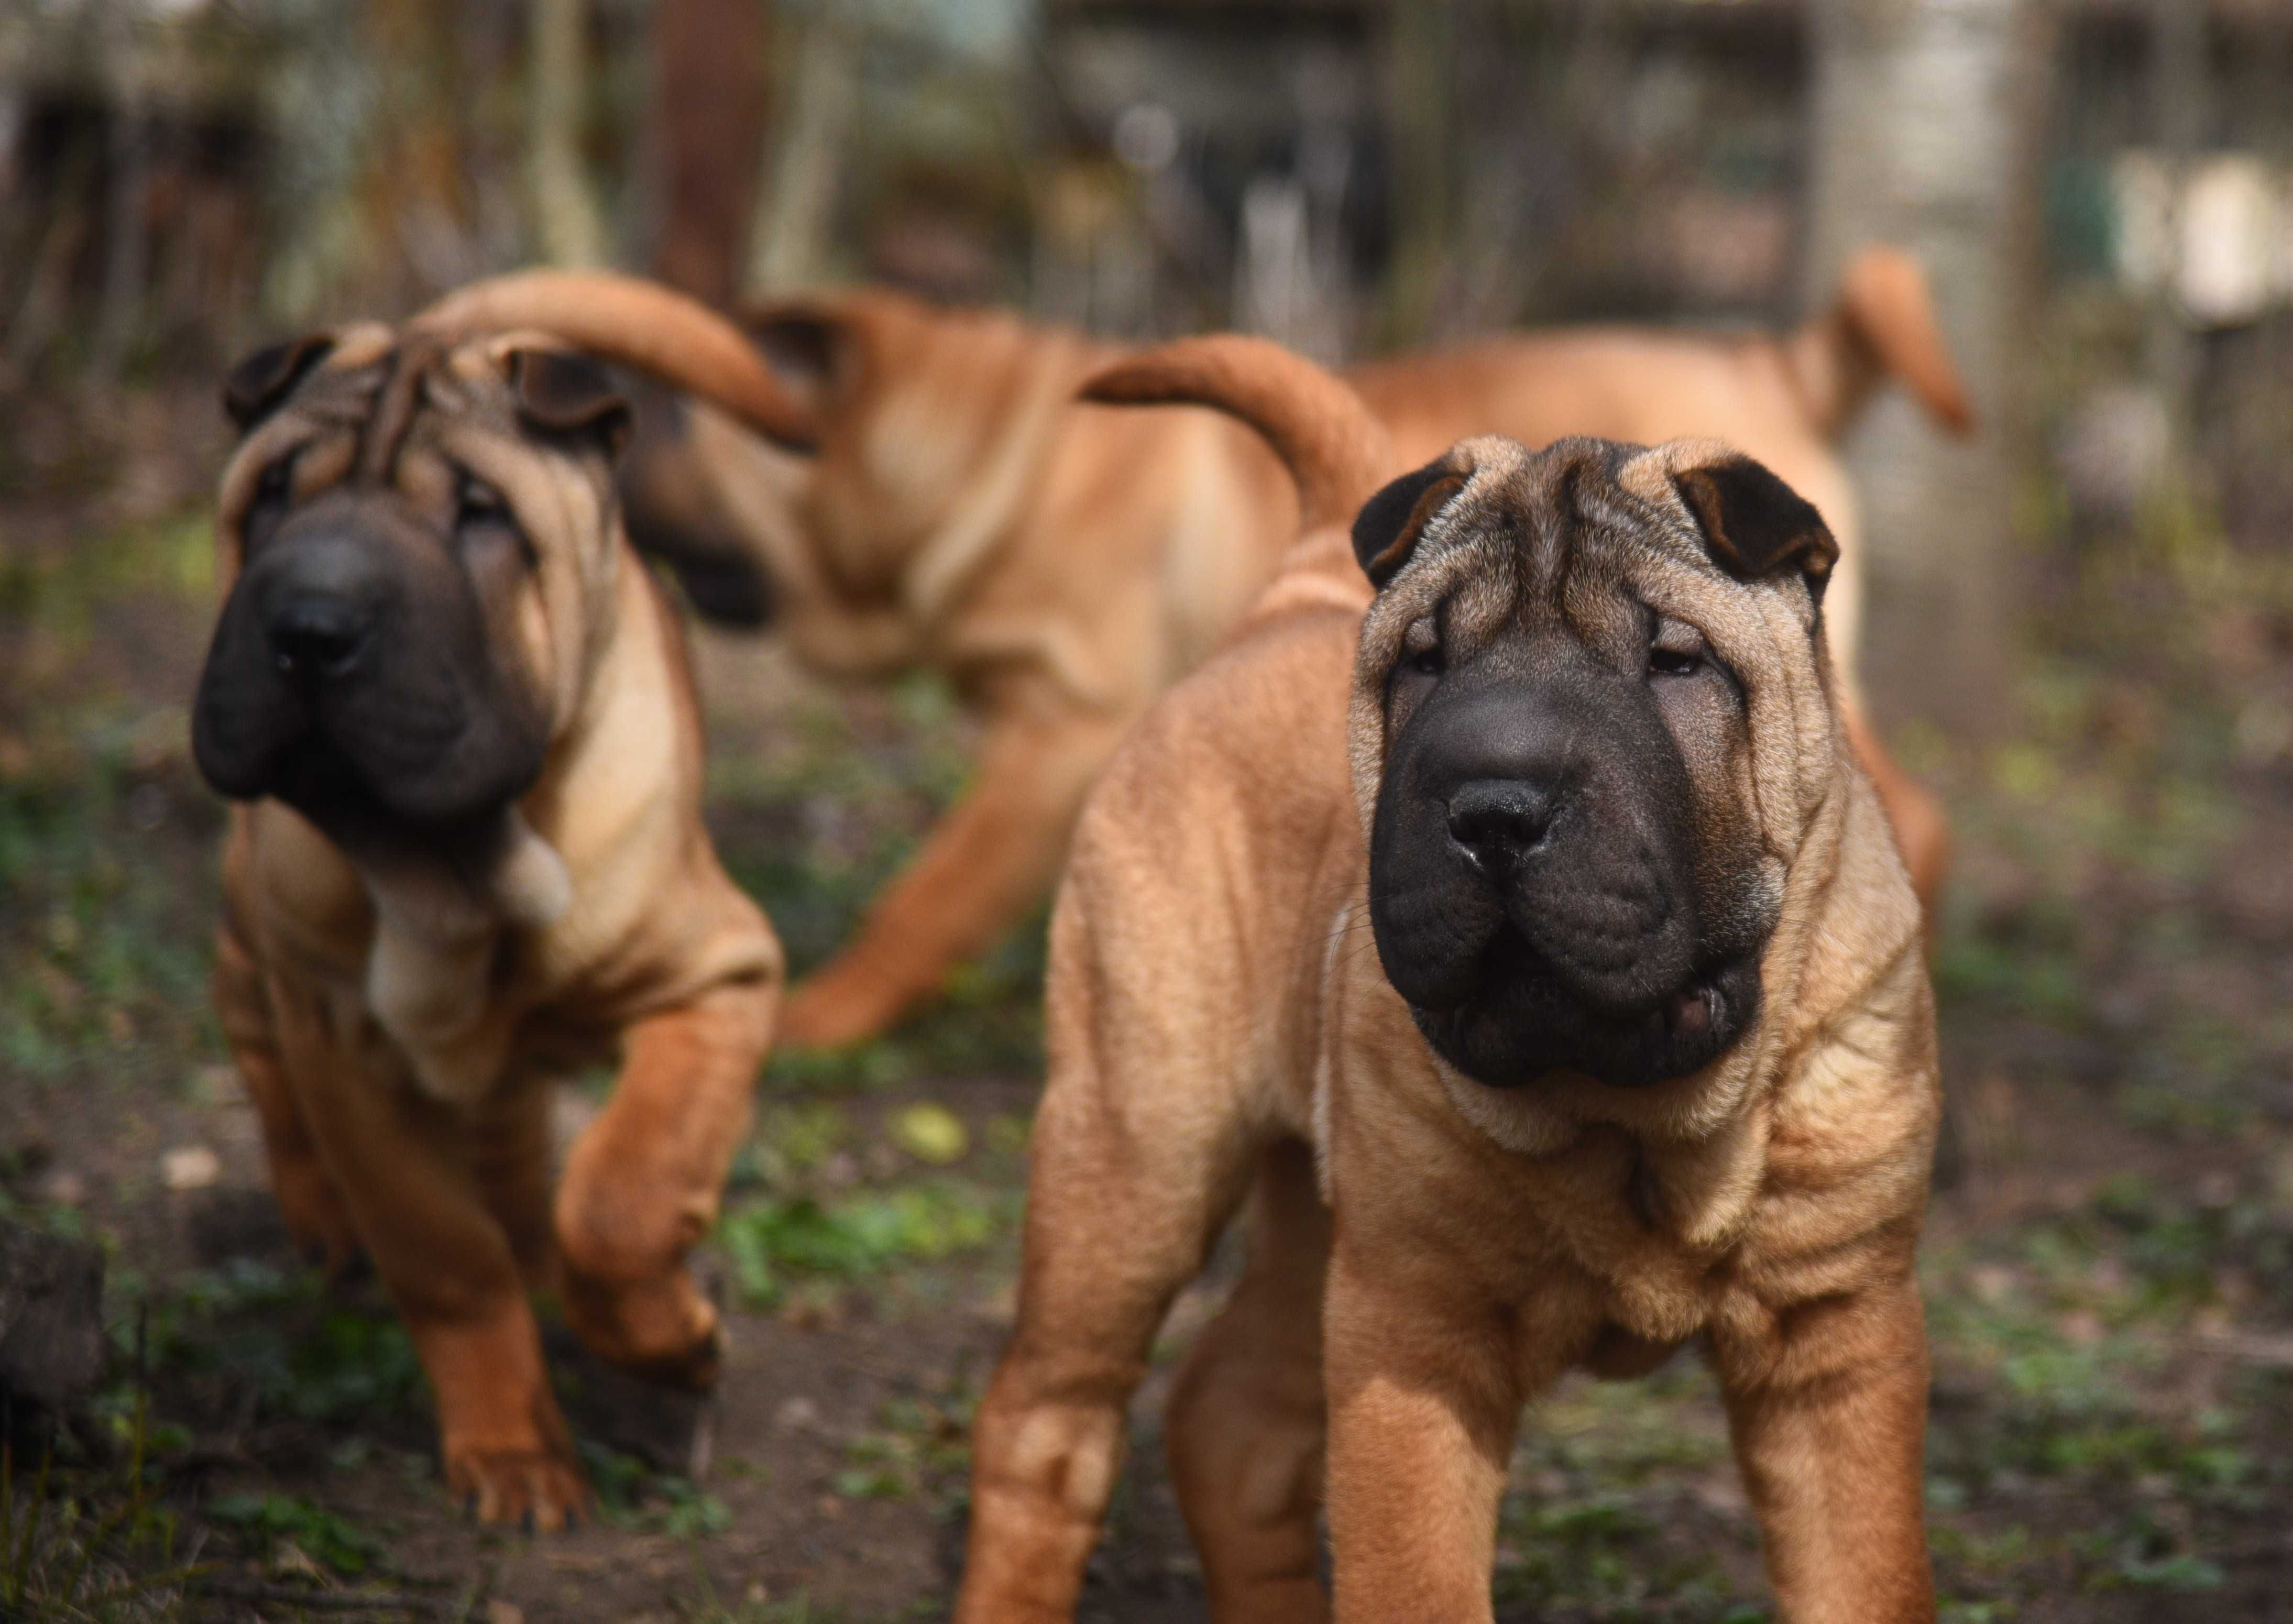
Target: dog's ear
{"x":1386,"y":531}
{"x":562,"y":392}
{"x":255,"y":387}
{"x":1755,"y":525}
{"x":806,"y":349}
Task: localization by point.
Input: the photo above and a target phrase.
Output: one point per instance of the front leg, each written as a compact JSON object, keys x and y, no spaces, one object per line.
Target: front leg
{"x":989,"y":860}
{"x":1829,"y":1414}
{"x":1424,"y":1398}
{"x":401,"y":1161}
{"x":642,"y":1183}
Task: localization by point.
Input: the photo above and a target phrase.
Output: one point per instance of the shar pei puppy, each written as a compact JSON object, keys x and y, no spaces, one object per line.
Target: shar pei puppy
{"x":1504,"y":920}
{"x":453,"y":708}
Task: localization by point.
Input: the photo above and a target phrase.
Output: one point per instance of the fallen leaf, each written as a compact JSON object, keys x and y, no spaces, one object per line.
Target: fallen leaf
{"x":931,"y":1133}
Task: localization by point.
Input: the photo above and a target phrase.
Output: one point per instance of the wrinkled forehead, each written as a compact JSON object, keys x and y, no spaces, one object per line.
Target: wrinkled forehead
{"x":381,"y":396}
{"x":1583,"y":530}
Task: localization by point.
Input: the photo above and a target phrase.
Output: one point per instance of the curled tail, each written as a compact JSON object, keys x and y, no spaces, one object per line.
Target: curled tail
{"x":640,"y":324}
{"x":1337,"y":453}
{"x":1881,"y":325}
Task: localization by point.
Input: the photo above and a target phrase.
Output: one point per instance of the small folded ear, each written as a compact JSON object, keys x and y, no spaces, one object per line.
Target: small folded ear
{"x":1387,"y":529}
{"x":1755,"y":525}
{"x":560,"y":393}
{"x":255,"y":387}
{"x":806,"y":349}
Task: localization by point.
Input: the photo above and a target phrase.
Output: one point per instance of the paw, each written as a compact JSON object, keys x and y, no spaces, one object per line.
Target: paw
{"x":540,"y":1490}
{"x":663,"y":1331}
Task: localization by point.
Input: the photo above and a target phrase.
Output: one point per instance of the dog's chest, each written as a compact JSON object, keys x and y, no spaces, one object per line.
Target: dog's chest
{"x":1621,"y":1244}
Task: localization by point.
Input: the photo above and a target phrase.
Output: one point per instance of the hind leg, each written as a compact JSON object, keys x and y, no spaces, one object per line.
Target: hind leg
{"x":1141,"y":1152}
{"x":309,"y":1199}
{"x":1247,"y":1419}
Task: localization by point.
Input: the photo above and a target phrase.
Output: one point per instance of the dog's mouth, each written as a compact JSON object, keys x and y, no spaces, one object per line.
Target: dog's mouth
{"x":1523,"y":1022}
{"x":412,"y":768}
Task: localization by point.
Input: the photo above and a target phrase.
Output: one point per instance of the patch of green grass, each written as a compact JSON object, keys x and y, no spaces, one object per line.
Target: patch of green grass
{"x":1603,"y":1554}
{"x":93,"y":957}
{"x":302,"y":1351}
{"x":2142,"y":1553}
{"x":90,"y":1547}
{"x":631,"y":1495}
{"x":269,"y":1520}
{"x":775,"y":1244}
{"x":920,"y":1445}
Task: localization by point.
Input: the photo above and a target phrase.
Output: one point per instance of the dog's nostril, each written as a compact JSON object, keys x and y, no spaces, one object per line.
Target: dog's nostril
{"x":318,"y":636}
{"x":1500,"y":816}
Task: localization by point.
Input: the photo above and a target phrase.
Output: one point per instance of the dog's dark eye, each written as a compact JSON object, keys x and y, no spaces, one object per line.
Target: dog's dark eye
{"x":274,"y":492}
{"x":277,"y":480}
{"x":1427,"y":663}
{"x":1676,"y":648}
{"x":477,"y":502}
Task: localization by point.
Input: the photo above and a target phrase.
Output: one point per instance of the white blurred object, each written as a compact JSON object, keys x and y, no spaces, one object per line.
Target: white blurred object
{"x":189,"y":1167}
{"x":2222,"y":239}
{"x":1273,"y":273}
{"x":2112,"y":453}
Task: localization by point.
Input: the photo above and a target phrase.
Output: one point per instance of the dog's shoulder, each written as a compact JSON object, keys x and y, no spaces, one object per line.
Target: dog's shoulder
{"x":1239,"y":771}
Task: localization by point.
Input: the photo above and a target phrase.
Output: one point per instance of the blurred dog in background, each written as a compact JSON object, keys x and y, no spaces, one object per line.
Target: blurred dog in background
{"x":1063,"y":565}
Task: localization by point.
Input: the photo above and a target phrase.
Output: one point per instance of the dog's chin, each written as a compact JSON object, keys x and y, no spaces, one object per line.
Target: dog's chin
{"x":1523,"y":1025}
{"x":356,"y":803}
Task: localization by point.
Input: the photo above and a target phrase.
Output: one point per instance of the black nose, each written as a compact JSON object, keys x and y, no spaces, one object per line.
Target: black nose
{"x":1501,"y":819}
{"x":319,"y":639}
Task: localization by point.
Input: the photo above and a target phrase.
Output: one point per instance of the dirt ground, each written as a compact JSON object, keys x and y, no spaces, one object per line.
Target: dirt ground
{"x":2109,"y":1264}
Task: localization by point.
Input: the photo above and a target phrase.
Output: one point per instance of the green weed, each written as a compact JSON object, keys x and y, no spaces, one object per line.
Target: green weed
{"x":269,"y":1519}
{"x":771,"y":1245}
{"x":90,"y":1548}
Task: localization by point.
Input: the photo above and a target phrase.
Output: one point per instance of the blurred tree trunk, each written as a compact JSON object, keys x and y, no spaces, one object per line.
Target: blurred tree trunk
{"x":796,"y":206}
{"x":565,"y":216}
{"x":1927,"y":116}
{"x":713,"y":58}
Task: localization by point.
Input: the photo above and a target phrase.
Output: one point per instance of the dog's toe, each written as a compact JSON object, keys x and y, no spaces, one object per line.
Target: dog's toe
{"x":535,"y":1490}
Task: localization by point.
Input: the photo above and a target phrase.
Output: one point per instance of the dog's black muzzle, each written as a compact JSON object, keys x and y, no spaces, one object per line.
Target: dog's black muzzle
{"x":351,"y":676}
{"x":1534,"y":886}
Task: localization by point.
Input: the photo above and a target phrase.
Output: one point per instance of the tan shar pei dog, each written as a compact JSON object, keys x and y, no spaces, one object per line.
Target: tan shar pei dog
{"x":1505,"y":919}
{"x":1063,"y":565}
{"x":454,"y":708}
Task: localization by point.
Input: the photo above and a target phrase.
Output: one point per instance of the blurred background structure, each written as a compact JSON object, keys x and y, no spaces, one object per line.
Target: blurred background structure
{"x":2080,"y":630}
{"x":177,"y":176}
